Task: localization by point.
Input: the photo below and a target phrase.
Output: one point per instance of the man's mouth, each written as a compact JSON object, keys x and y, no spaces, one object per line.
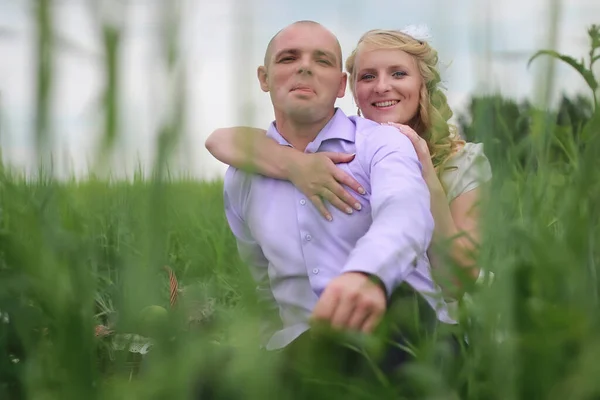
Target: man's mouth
{"x":384,"y":104}
{"x":305,"y":89}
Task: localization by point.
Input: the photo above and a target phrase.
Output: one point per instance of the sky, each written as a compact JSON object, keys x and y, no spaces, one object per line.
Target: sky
{"x":483,"y":47}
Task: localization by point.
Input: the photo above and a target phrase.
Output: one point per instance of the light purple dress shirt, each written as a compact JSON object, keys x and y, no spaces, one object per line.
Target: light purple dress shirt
{"x":293,"y":252}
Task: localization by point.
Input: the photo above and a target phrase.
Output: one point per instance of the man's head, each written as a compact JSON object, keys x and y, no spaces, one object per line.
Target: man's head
{"x":303,"y":72}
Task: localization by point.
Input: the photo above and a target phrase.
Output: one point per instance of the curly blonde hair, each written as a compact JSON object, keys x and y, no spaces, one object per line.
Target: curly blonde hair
{"x":431,"y":120}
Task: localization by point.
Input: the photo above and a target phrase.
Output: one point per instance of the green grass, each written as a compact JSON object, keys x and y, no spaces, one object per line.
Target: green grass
{"x":77,"y":254}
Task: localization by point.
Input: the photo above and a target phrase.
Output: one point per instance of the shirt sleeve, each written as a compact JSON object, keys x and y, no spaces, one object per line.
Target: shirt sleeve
{"x":400,"y":204}
{"x":236,"y":187}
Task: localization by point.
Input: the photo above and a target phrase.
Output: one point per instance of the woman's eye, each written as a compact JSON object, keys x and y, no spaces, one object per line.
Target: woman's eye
{"x":366,"y":77}
{"x":399,"y":74}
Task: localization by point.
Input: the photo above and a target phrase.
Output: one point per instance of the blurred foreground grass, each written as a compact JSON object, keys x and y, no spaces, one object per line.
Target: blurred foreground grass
{"x":77,"y":254}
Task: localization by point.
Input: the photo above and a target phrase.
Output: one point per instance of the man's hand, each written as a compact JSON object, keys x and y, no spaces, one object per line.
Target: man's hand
{"x":351,"y":301}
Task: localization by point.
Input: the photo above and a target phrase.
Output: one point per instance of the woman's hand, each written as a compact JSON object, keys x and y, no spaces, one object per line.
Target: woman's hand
{"x":317,"y":176}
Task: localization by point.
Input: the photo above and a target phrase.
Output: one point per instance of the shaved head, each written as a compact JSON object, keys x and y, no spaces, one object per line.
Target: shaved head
{"x":303,"y":76}
{"x":269,"y":52}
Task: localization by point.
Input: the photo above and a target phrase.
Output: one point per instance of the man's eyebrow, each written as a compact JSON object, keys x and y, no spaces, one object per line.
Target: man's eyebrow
{"x":328,"y":54}
{"x":316,"y":53}
{"x":286,"y":51}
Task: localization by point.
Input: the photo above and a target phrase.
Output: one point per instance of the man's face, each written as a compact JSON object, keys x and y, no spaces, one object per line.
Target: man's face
{"x":303,"y":74}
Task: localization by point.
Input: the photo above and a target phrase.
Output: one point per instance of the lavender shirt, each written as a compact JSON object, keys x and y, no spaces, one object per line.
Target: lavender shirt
{"x":293,"y":252}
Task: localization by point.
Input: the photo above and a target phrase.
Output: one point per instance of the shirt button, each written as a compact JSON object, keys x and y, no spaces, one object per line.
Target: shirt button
{"x":315,"y":271}
{"x":308,"y":238}
{"x":303,"y":202}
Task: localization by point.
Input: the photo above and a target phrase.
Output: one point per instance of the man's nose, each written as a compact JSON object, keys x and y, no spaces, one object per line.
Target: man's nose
{"x":305,"y":66}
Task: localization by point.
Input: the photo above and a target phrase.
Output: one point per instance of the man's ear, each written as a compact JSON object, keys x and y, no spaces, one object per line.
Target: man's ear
{"x":261,"y":73}
{"x":343,"y":82}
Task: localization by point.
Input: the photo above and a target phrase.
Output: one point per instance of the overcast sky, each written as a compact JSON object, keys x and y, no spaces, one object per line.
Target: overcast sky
{"x":483,"y":46}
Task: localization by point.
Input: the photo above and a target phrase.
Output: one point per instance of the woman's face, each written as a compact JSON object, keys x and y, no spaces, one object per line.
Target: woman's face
{"x":388,"y":85}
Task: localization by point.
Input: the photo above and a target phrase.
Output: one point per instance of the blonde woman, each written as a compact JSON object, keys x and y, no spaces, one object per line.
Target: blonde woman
{"x":394,"y":80}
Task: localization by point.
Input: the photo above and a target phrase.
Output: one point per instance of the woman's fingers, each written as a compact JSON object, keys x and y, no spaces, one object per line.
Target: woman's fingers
{"x":346,"y":179}
{"x":336,"y":201}
{"x":418,"y":142}
{"x":338,"y":158}
{"x":321,"y":180}
{"x":408,"y":132}
{"x":318,"y":202}
{"x":340,"y":175}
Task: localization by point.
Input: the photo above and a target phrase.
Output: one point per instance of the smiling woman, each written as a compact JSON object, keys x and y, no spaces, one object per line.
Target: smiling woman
{"x":387,"y":85}
{"x":391,"y":65}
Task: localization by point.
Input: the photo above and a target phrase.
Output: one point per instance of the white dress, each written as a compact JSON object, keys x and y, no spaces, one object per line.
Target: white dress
{"x":465,"y":171}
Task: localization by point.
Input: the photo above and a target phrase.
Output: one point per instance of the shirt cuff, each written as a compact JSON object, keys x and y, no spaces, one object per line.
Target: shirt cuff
{"x":386,"y":281}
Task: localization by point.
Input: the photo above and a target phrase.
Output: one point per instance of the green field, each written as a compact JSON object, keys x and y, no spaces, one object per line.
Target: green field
{"x":77,"y":254}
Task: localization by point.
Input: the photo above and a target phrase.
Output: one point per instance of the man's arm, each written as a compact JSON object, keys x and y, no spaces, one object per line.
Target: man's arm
{"x":236,"y":186}
{"x":400,"y":233}
{"x":402,"y":225}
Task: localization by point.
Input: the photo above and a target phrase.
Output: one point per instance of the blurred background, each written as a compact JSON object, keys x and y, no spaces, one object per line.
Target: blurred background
{"x":484,"y":47}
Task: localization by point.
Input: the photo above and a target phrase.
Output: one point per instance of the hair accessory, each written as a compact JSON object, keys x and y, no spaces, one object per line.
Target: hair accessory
{"x":418,"y":32}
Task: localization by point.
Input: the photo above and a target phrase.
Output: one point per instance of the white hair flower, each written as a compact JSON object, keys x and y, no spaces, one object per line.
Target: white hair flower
{"x":419,"y":32}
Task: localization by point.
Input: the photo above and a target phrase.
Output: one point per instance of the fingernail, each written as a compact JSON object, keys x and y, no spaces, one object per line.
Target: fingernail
{"x":361,"y":190}
{"x":349,"y":210}
{"x":358,"y":206}
{"x":329,"y":218}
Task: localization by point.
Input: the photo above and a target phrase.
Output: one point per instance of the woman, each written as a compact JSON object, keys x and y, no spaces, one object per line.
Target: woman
{"x":394,"y":79}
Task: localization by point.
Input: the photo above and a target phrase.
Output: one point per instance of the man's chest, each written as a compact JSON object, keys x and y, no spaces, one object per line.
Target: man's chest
{"x":285,"y":223}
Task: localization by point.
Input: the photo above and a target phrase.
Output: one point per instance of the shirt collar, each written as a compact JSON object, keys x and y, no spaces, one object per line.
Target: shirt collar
{"x":339,"y":127}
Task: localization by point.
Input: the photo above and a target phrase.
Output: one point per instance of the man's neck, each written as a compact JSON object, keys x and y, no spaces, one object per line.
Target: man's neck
{"x":298,"y":134}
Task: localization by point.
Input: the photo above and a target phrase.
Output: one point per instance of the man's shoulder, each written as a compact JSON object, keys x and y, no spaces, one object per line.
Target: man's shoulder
{"x":371,"y":135}
{"x":363,"y":125}
{"x":236,"y":180}
{"x":236,"y":187}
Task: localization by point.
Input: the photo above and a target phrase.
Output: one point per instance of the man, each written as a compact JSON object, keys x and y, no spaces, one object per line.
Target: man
{"x":340,"y":272}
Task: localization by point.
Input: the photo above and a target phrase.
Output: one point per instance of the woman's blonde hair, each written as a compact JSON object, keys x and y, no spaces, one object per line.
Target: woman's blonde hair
{"x":431,"y":121}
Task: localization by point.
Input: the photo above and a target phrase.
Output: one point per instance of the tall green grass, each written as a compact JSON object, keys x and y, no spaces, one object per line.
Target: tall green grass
{"x":77,"y":254}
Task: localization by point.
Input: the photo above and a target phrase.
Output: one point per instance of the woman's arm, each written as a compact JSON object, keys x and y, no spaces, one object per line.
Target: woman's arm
{"x":456,"y":232}
{"x":251,"y":150}
{"x":456,"y":225}
{"x":315,"y":175}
